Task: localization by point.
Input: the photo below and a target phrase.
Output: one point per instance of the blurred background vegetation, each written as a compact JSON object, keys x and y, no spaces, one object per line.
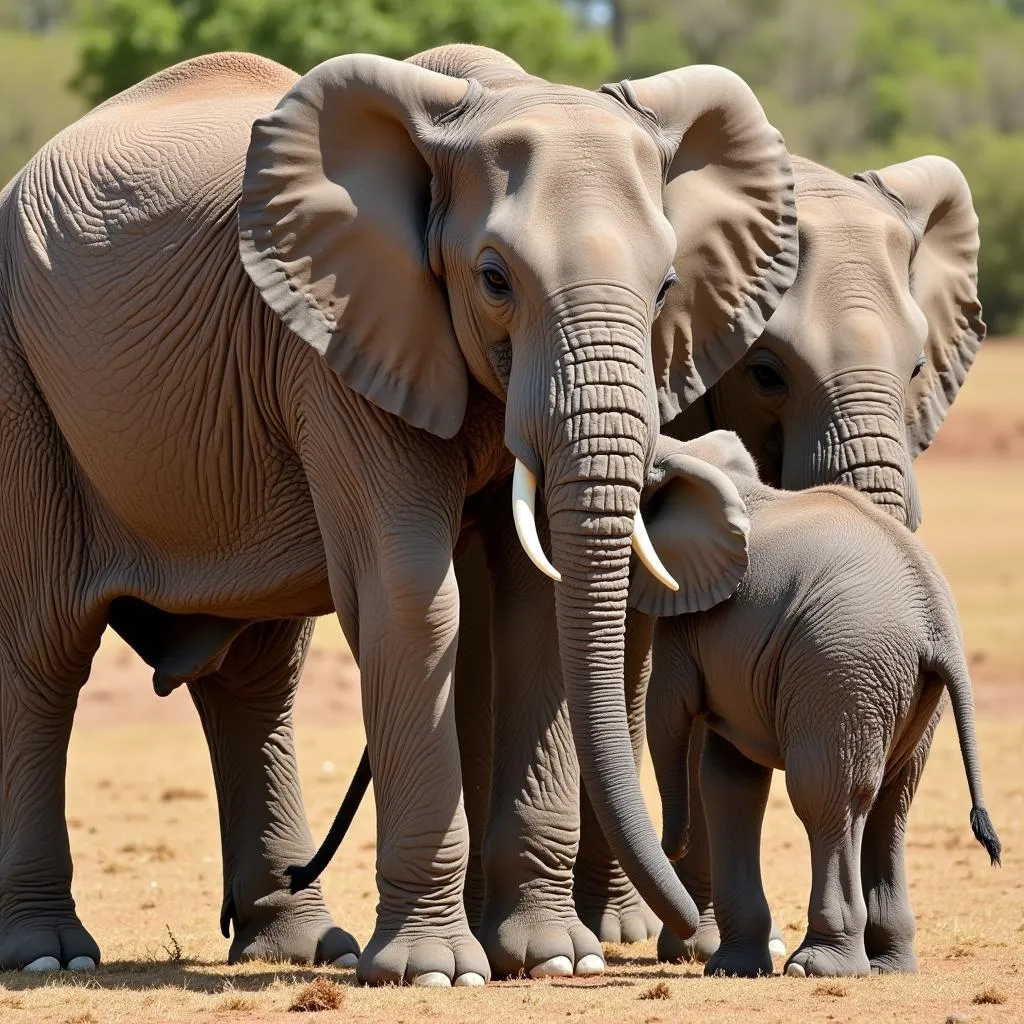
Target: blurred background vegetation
{"x":852,"y":83}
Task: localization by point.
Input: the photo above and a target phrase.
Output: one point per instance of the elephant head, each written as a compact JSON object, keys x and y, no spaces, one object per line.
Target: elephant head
{"x":422,"y":230}
{"x":865,"y":354}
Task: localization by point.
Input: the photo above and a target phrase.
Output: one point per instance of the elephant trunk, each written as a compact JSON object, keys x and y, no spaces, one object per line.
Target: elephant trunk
{"x":855,"y":436}
{"x":591,"y":546}
{"x":595,"y":450}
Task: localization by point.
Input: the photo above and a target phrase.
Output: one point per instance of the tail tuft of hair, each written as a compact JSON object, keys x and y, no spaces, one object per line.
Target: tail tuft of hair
{"x":981,"y":826}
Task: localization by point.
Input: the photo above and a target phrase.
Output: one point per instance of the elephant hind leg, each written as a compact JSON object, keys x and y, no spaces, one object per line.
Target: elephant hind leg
{"x":890,"y":931}
{"x":833,"y":809}
{"x":246,"y":711}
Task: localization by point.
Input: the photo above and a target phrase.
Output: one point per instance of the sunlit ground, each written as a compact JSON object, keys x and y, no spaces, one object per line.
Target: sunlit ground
{"x":143,"y":824}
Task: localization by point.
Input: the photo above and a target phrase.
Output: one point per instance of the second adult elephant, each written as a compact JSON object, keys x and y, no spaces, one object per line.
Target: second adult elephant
{"x":203,"y":451}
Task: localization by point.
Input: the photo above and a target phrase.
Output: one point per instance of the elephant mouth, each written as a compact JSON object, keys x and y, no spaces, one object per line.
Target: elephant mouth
{"x":524,"y":500}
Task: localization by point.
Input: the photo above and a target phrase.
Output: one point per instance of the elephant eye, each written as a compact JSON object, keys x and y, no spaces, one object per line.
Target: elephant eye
{"x":918,"y":366}
{"x":766,"y":378}
{"x":496,"y":283}
{"x":672,"y":278}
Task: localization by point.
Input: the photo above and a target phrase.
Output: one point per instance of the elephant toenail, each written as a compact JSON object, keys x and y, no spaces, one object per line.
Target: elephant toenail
{"x":589,"y":965}
{"x":777,"y":947}
{"x":82,"y":963}
{"x":469,"y":980}
{"x":556,"y":967}
{"x":795,"y":971}
{"x":43,"y":965}
{"x":432,"y":979}
{"x":346,"y":960}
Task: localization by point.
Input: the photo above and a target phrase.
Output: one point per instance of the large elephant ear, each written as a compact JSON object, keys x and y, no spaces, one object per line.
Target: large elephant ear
{"x":697,"y":523}
{"x":932,"y":193}
{"x":729,"y":195}
{"x":333,"y":230}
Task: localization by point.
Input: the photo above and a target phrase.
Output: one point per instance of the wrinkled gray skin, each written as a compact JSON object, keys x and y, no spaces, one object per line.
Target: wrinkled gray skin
{"x":204,"y":451}
{"x":848,"y":384}
{"x":829,"y":661}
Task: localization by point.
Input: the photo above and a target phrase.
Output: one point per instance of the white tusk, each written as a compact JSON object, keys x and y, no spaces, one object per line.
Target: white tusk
{"x":645,"y":552}
{"x":524,"y":496}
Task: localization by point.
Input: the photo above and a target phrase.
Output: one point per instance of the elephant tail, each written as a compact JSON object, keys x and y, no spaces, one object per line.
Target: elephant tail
{"x":304,"y":875}
{"x":951,"y":667}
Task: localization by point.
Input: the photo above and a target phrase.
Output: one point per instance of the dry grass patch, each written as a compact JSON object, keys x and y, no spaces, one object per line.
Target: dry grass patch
{"x":236,"y":1002}
{"x":832,"y":989}
{"x":658,"y":991}
{"x":319,"y":995}
{"x":174,"y":793}
{"x":990,"y":996}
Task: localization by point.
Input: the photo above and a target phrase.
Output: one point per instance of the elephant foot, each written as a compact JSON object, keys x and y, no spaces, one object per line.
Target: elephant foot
{"x":40,"y":947}
{"x":897,"y":960}
{"x":616,"y":913}
{"x":282,"y":927}
{"x":702,"y":945}
{"x":540,"y":944}
{"x":829,"y":957}
{"x":735,"y":960}
{"x":431,"y":958}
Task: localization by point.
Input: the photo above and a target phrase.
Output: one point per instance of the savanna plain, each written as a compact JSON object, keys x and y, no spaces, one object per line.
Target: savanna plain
{"x":142,"y":813}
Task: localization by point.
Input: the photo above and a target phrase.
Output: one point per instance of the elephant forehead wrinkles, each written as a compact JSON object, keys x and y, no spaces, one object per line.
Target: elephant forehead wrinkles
{"x":558,"y":154}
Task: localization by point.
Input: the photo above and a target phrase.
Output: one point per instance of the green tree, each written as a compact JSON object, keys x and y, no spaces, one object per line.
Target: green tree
{"x":126,"y":40}
{"x":35,"y":104}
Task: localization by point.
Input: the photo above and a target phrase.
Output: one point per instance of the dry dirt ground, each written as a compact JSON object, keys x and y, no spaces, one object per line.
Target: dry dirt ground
{"x":143,"y":822}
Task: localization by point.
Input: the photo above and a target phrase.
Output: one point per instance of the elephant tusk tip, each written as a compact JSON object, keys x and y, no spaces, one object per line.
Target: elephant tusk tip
{"x":648,"y":556}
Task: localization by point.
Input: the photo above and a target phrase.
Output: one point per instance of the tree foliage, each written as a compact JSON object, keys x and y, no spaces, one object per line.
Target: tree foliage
{"x":852,"y":83}
{"x":865,"y":83}
{"x":125,"y":40}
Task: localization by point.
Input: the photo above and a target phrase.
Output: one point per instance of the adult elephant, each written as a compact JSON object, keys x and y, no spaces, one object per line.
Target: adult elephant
{"x":849,"y":383}
{"x":204,"y":451}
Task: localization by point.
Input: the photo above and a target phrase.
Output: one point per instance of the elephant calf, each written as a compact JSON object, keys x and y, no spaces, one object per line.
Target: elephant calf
{"x":828,"y":662}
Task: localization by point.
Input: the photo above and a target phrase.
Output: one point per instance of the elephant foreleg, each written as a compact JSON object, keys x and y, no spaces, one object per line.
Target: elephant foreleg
{"x":694,"y":870}
{"x":246,"y":711}
{"x":736,"y":794}
{"x":473,"y":711}
{"x":51,"y":622}
{"x":39,"y":927}
{"x":529,"y":922}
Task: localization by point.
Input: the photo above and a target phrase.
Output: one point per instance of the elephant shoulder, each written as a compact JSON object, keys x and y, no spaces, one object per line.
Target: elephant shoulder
{"x":150,"y":169}
{"x":210,"y":76}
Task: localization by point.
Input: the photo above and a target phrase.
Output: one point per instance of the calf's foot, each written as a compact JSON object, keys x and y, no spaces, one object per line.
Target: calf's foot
{"x":433,"y":958}
{"x":829,"y":957}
